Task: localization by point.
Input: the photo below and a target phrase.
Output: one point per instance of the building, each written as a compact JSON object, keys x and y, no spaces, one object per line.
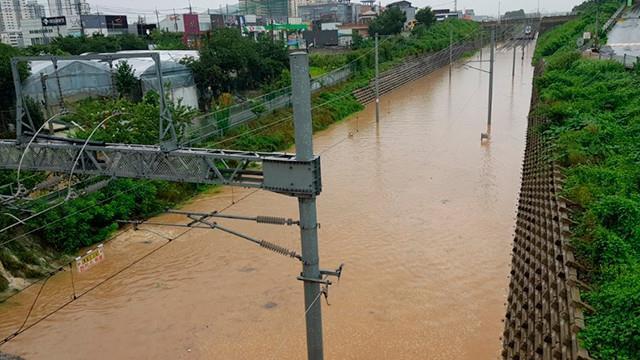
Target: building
{"x":405,"y":6}
{"x":443,"y":14}
{"x":55,"y":8}
{"x":33,"y":33}
{"x":180,"y":22}
{"x":68,"y":7}
{"x":103,"y":24}
{"x":276,"y":10}
{"x":13,"y":38}
{"x":33,"y":10}
{"x":331,"y":12}
{"x":10,"y":17}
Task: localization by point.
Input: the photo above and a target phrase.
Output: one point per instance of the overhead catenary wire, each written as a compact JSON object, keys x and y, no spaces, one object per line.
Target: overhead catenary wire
{"x":48,"y":224}
{"x":23,"y":328}
{"x":153,"y":251}
{"x":169,"y":240}
{"x":290,"y":117}
{"x":258,"y":104}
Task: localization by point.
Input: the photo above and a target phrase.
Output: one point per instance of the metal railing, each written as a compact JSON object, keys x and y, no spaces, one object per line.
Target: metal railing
{"x":609,"y":24}
{"x":218,"y":122}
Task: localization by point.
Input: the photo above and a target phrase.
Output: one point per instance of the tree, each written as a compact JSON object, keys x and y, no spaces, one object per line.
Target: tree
{"x":516,"y":14}
{"x":425,"y":17}
{"x":230,"y":62}
{"x":7,"y":90}
{"x":357,"y":40}
{"x":125,"y":80}
{"x":165,"y":40}
{"x":390,"y":22}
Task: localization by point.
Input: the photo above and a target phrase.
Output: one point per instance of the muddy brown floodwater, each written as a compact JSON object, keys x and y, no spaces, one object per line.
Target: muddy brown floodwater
{"x":421,"y":214}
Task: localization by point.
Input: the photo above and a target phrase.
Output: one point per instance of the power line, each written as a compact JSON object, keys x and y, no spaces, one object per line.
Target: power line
{"x":48,"y":224}
{"x":258,"y":105}
{"x":289,"y":117}
{"x":23,"y":329}
{"x":169,"y":240}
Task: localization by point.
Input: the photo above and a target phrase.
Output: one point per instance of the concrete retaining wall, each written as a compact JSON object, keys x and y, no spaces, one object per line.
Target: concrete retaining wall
{"x":544,"y":311}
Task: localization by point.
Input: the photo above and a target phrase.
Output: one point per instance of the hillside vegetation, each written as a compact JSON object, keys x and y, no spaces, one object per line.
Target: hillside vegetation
{"x":593,"y":108}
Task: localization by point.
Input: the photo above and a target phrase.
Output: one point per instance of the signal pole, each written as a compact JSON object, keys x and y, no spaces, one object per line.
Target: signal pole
{"x":377,"y":82}
{"x":311,"y":275}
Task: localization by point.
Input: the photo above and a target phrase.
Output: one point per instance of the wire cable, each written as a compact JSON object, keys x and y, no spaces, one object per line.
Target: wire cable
{"x":135,"y":187}
{"x":229,"y":126}
{"x":169,"y":240}
{"x":23,"y":329}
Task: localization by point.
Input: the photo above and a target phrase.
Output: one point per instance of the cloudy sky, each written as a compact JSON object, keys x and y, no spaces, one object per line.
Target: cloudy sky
{"x":482,"y":7}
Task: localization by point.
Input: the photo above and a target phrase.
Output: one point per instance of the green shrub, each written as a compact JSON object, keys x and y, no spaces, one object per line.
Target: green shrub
{"x":593,"y":113}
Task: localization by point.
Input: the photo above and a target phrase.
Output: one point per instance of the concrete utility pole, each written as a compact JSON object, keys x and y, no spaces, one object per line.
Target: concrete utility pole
{"x":311,"y":275}
{"x":79,"y":9}
{"x":481,"y":44}
{"x":175,"y":19}
{"x":450,"y":50}
{"x":487,"y":135}
{"x":491,"y":65}
{"x":377,"y":81}
{"x":513,"y":70}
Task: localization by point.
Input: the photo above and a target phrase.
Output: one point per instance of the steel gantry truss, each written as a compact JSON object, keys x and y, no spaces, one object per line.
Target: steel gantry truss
{"x":297,"y":175}
{"x":277,"y":172}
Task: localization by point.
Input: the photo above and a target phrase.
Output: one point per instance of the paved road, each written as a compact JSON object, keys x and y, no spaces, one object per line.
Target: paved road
{"x":624,"y":38}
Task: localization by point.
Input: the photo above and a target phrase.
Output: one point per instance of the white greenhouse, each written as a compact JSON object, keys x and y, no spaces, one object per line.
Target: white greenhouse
{"x":78,"y":79}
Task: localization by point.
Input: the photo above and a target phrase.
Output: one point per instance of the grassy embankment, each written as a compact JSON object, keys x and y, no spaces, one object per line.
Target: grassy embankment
{"x":95,"y":215}
{"x":593,"y":109}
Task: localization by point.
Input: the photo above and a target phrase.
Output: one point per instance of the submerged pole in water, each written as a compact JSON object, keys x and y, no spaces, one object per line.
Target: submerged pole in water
{"x":487,"y":135}
{"x":481,"y":44}
{"x":311,"y":275}
{"x":513,"y":70}
{"x":491,"y":70}
{"x":377,"y":82}
{"x":450,"y":50}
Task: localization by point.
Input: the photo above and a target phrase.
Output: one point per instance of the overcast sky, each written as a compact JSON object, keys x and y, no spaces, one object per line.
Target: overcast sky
{"x":482,"y":7}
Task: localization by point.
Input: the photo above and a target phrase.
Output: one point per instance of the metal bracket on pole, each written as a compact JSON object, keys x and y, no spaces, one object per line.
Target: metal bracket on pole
{"x":324,"y":281}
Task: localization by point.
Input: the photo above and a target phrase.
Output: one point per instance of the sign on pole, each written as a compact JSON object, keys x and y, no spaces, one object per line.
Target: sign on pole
{"x":54,"y":21}
{"x":90,"y":259}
